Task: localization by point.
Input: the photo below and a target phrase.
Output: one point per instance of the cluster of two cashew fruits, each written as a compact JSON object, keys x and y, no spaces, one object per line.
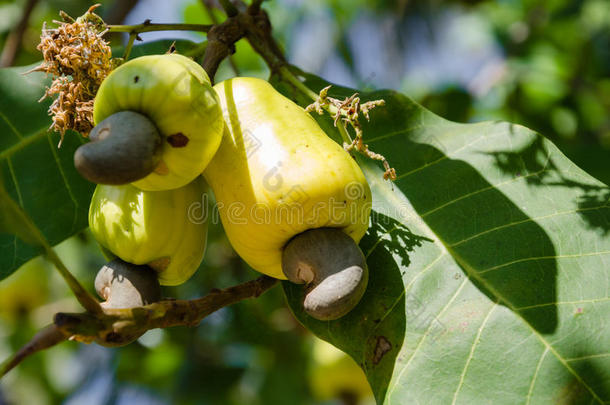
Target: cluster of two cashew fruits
{"x":293,"y":203}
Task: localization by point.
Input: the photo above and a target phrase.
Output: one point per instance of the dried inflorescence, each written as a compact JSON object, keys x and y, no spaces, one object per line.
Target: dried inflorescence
{"x":348,"y":111}
{"x":79,"y":59}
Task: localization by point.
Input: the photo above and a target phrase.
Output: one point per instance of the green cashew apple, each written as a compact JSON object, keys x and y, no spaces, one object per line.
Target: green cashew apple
{"x":158,"y":124}
{"x":293,"y":203}
{"x":166,"y":230}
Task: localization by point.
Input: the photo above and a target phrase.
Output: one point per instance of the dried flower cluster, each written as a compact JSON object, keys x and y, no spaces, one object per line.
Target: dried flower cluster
{"x":79,"y":59}
{"x":348,"y":111}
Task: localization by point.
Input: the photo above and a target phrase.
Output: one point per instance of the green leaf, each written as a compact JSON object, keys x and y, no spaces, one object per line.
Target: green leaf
{"x":37,"y":175}
{"x":489,"y":265}
{"x":14,"y":222}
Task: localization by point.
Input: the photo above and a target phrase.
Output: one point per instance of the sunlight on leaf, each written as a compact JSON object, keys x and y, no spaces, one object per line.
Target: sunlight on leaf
{"x":489,"y":265}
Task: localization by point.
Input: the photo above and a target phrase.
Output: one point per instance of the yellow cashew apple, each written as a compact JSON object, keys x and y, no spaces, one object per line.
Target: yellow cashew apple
{"x":277,"y":175}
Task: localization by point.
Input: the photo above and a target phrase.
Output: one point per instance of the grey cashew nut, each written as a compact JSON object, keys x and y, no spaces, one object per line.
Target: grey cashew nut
{"x":332,"y":266}
{"x":126,"y":285}
{"x":124,"y":147}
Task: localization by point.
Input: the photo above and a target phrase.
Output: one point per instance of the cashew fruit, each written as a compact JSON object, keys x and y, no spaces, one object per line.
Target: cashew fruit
{"x":166,"y":230}
{"x":175,"y":93}
{"x":277,"y":175}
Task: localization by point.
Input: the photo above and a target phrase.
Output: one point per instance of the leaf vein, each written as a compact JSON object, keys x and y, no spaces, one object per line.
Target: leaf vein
{"x":472,"y":350}
{"x":425,"y":334}
{"x":368,"y":253}
{"x":21,"y":144}
{"x":527,"y":259}
{"x":591,"y":301}
{"x":535,"y":377}
{"x":10,"y":125}
{"x":473,"y":193}
{"x":445,"y":157}
{"x":404,"y":292}
{"x":65,"y":179}
{"x":510,"y":224}
{"x":590,"y":356}
{"x":11,"y":170}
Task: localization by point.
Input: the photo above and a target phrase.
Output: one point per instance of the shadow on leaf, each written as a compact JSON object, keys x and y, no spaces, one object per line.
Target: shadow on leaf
{"x":532,"y":158}
{"x":532,"y":161}
{"x":394,"y":237}
{"x":594,"y":207}
{"x":574,"y":393}
{"x":505,"y":253}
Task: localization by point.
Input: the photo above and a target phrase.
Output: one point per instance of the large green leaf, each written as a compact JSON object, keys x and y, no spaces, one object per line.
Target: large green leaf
{"x":36,"y":174}
{"x":489,"y":266}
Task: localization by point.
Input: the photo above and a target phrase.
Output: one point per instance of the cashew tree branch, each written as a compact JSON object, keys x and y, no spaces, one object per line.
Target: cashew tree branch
{"x":117,"y":327}
{"x":208,"y":9}
{"x":148,"y":26}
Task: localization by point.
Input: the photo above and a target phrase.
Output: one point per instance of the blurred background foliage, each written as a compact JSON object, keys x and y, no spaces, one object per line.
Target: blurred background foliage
{"x":545,"y":65}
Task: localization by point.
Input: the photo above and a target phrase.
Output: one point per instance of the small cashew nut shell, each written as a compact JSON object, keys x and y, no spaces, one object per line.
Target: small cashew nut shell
{"x":332,"y":266}
{"x":126,"y":285}
{"x":124,"y":147}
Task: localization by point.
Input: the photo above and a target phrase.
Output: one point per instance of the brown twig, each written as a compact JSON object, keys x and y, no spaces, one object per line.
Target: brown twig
{"x":13,"y":42}
{"x":45,"y":338}
{"x":117,"y":327}
{"x":221,"y":43}
{"x":229,"y":8}
{"x":255,"y":26}
{"x":148,"y":26}
{"x":259,"y":36}
{"x":210,"y":11}
{"x":255,"y":6}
